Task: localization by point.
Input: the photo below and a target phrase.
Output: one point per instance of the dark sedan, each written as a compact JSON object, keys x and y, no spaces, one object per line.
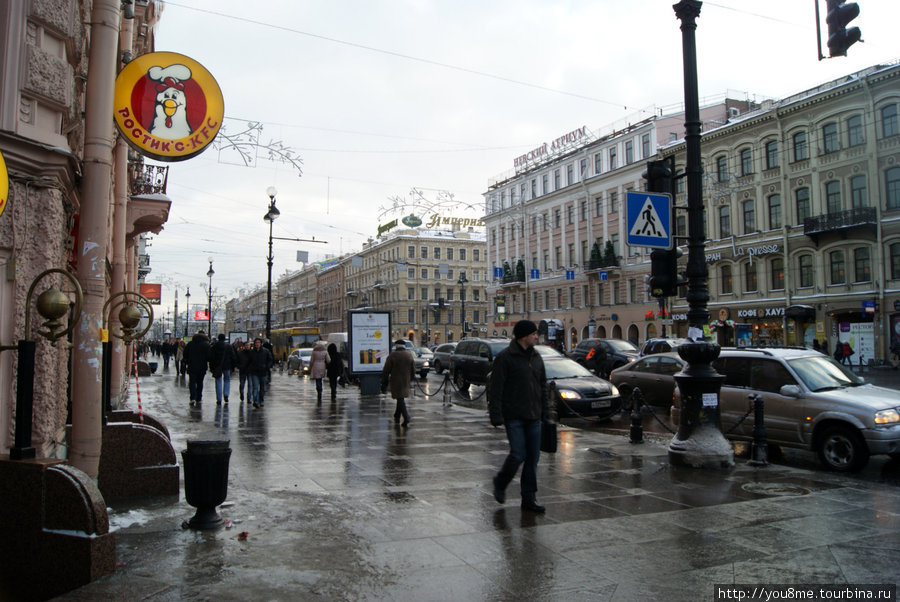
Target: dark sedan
{"x":579,"y":393}
{"x":654,"y":374}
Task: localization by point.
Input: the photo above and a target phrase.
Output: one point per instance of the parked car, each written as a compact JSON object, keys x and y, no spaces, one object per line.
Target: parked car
{"x":546,"y":351}
{"x":602,"y":356}
{"x":811,"y":402}
{"x":653,"y":374}
{"x":442,"y":355}
{"x":423,"y":360}
{"x":472,"y":360}
{"x":299,"y":360}
{"x":577,"y":392}
{"x":661,"y":345}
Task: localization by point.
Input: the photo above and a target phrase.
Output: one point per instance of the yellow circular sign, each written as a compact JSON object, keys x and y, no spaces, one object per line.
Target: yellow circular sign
{"x":4,"y":184}
{"x":168,"y":106}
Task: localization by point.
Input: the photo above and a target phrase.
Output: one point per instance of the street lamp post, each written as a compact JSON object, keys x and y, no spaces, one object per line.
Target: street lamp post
{"x":270,"y":216}
{"x":187,"y":310}
{"x":209,"y":300}
{"x":462,"y":297}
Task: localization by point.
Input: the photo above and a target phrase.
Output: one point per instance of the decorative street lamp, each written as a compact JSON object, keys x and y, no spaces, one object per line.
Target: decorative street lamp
{"x":462,"y":297}
{"x":187,"y":310}
{"x":209,"y":300}
{"x":270,"y":216}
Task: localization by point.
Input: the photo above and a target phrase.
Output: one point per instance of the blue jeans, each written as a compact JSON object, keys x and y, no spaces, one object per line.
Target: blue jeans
{"x":253,"y":388}
{"x":223,"y":385}
{"x":524,"y":446}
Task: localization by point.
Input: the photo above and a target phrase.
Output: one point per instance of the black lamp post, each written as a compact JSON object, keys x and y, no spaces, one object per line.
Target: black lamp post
{"x":462,"y":297}
{"x":187,"y":310}
{"x":209,"y":300}
{"x":699,"y":441}
{"x":270,"y":216}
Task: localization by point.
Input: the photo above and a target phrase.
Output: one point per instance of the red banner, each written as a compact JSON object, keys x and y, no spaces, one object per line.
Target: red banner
{"x":153,"y":292}
{"x":201,"y":315}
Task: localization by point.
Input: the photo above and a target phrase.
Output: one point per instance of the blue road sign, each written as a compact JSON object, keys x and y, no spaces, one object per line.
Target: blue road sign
{"x":570,"y":274}
{"x":604,"y":275}
{"x":498,"y":272}
{"x":535,"y":274}
{"x":649,"y":219}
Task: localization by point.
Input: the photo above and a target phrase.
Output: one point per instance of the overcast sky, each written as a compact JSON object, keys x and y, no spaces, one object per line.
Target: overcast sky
{"x":380,"y":97}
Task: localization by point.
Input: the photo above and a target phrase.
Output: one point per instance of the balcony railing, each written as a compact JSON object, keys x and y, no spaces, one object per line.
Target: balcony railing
{"x":841,"y":221}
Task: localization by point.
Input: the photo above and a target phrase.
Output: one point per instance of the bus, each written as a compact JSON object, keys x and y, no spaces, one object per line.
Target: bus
{"x":284,"y":340}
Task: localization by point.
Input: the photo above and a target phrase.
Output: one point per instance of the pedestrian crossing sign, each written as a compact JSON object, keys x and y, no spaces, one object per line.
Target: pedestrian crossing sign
{"x":649,"y":219}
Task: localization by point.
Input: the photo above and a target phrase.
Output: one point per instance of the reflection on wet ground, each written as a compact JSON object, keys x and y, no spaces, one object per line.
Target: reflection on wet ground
{"x":340,"y":503}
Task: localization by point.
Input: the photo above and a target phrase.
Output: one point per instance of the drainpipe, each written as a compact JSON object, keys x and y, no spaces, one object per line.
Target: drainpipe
{"x":93,"y":234}
{"x":120,"y":228}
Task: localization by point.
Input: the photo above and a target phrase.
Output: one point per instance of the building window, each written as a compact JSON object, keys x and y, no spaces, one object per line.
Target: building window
{"x":801,"y":148}
{"x":681,"y":225}
{"x":522,"y":192}
{"x":571,"y":253}
{"x":411,"y":316}
{"x":749,"y":209}
{"x":557,"y":218}
{"x":502,"y":239}
{"x":746,"y":162}
{"x":830,"y":141}
{"x":855,"y":131}
{"x":410,"y":273}
{"x":437,"y":250}
{"x":889,"y":125}
{"x":424,"y":273}
{"x":774,"y":202}
{"x":598,"y":206}
{"x":777,"y":271}
{"x":410,"y":293}
{"x":613,"y":202}
{"x":629,"y":152}
{"x":557,"y":183}
{"x":862,"y":264}
{"x":807,"y":275}
{"x":803,"y":207}
{"x":895,"y":261}
{"x":598,"y":164}
{"x":584,"y":210}
{"x":645,"y":146}
{"x":424,"y":252}
{"x":722,"y":168}
{"x":534,"y":188}
{"x":833,"y":196}
{"x":411,"y":252}
{"x":512,"y":231}
{"x":570,"y":175}
{"x":450,"y":316}
{"x":771,"y":154}
{"x":750,"y":284}
{"x":462,"y":254}
{"x":858,"y":196}
{"x":545,"y":184}
{"x":892,"y":187}
{"x":476,"y":254}
{"x":450,"y":274}
{"x":546,"y":261}
{"x":424,"y":293}
{"x":836,"y":262}
{"x":724,"y":221}
{"x":437,"y":274}
{"x":558,"y":257}
{"x":725,"y":283}
{"x":612,"y":158}
{"x":534,"y":261}
{"x":582,"y":170}
{"x":570,"y":214}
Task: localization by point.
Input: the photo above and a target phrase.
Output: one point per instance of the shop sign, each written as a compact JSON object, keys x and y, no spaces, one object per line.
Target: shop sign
{"x":713,"y":257}
{"x":544,"y":151}
{"x":167,"y":106}
{"x":412,"y":221}
{"x":679,"y":317}
{"x":768,"y":312}
{"x":756,"y":251}
{"x":868,"y":307}
{"x":462,"y":222}
{"x":387,"y":226}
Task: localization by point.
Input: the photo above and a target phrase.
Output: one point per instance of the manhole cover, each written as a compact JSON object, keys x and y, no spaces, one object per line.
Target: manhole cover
{"x":775,"y":489}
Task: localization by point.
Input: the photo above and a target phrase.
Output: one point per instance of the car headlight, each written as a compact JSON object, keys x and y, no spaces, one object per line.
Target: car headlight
{"x":568,"y":394}
{"x":887,"y":416}
{"x":425,"y":364}
{"x":613,"y":390}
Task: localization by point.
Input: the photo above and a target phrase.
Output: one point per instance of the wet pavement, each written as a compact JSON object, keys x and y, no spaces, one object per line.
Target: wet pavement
{"x":339,"y":503}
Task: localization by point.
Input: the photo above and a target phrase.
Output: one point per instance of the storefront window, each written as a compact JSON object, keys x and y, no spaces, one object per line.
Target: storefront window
{"x":836,"y":261}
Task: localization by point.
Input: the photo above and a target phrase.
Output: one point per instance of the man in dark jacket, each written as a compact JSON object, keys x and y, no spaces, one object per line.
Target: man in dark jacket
{"x":518,"y":399}
{"x":398,"y":372}
{"x":258,"y":367}
{"x":221,"y":362}
{"x":196,"y":354}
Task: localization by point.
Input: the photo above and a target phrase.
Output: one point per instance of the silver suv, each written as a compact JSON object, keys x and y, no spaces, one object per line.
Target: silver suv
{"x":810,"y":402}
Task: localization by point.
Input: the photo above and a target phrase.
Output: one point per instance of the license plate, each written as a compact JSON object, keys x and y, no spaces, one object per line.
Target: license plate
{"x":603,"y":403}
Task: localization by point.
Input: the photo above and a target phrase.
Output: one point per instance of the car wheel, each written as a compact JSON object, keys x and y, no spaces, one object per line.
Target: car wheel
{"x":438,"y":369}
{"x":460,"y":382}
{"x":842,"y":449}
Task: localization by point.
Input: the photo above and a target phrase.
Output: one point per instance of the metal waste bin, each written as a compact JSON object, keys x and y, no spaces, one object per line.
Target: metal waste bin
{"x":206,"y":480}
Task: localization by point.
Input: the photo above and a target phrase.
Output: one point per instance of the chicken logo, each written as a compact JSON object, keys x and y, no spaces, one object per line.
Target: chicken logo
{"x":168,"y":106}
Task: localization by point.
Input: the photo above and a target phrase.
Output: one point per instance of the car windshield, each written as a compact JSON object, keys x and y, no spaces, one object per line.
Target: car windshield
{"x":497,"y":347}
{"x":620,"y":345}
{"x":305,"y":352}
{"x":565,"y":368}
{"x":423,"y":351}
{"x":820,"y":373}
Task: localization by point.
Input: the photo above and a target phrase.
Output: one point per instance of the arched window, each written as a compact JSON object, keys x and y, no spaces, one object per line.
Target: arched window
{"x":726,"y":285}
{"x":750,"y":279}
{"x":803,"y":208}
{"x":776,"y":267}
{"x":892,"y":187}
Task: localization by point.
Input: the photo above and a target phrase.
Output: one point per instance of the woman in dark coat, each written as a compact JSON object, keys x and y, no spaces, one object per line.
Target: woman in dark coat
{"x":335,"y":368}
{"x":398,"y":371}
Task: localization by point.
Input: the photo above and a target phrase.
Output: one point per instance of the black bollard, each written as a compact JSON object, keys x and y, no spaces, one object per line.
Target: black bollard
{"x":759,"y":445}
{"x":637,"y":426}
{"x":22,"y":449}
{"x":206,"y":480}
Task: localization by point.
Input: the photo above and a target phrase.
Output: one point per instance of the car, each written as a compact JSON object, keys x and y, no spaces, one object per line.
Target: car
{"x":577,"y":392}
{"x":299,"y":360}
{"x":423,"y":359}
{"x":653,"y":374}
{"x":546,"y":351}
{"x":810,"y":402}
{"x":602,"y":356}
{"x":661,"y":345}
{"x":472,"y":360}
{"x":442,"y":355}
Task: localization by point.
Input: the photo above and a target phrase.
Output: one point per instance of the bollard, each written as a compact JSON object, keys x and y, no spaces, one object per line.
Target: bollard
{"x":447,"y":391}
{"x":206,"y":480}
{"x":637,"y":426}
{"x":758,"y":447}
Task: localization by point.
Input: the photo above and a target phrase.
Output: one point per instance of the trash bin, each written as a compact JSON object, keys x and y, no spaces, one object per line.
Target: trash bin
{"x":206,"y":480}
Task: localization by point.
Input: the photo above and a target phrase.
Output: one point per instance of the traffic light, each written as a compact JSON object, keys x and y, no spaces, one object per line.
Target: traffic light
{"x":840,"y":13}
{"x":659,"y":174}
{"x":664,"y":278}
